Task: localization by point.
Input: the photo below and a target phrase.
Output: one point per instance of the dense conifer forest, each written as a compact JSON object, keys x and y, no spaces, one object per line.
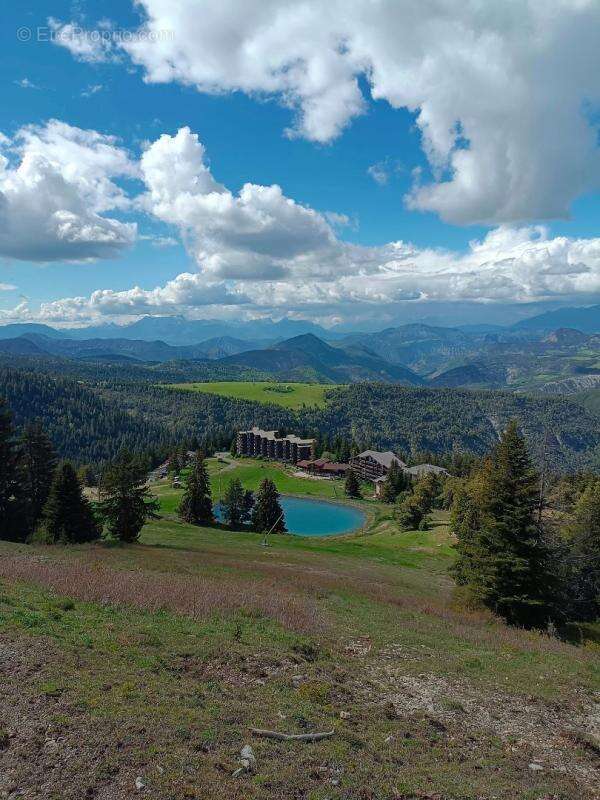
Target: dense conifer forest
{"x":91,"y":415}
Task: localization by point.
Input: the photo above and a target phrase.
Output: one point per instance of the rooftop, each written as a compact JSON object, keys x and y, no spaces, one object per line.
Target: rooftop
{"x":385,"y":458}
{"x":425,"y":469}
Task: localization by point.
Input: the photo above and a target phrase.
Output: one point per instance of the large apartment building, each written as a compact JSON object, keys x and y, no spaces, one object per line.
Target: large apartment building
{"x":269,"y":444}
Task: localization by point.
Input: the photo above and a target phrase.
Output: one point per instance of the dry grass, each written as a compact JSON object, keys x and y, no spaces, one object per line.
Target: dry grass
{"x":196,"y":597}
{"x":291,"y":594}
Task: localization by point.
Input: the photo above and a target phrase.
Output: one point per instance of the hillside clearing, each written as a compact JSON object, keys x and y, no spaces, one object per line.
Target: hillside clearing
{"x":288,"y":395}
{"x":153,"y":661}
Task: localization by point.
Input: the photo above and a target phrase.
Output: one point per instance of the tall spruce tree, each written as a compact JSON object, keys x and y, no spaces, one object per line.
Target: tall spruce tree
{"x":408,"y":511}
{"x":68,"y":516}
{"x":39,"y":464}
{"x":13,"y":523}
{"x":503,"y":558}
{"x":267,"y":514}
{"x":237,"y":504}
{"x":352,"y":486}
{"x":395,"y":483}
{"x":127,"y":503}
{"x":465,"y":523}
{"x":196,"y":503}
{"x":585,"y":555}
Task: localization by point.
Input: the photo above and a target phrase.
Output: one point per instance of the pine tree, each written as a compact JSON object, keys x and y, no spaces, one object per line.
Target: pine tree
{"x":87,"y":475}
{"x":395,"y":483}
{"x":344,"y":453}
{"x":13,"y":523}
{"x":39,"y":464}
{"x":388,"y":492}
{"x":267,"y":515}
{"x":465,"y":523}
{"x":408,"y":511}
{"x":585,"y":555}
{"x":196,"y":504}
{"x":68,"y":516}
{"x":237,"y":504}
{"x":426,"y":490}
{"x":352,"y":486}
{"x":504,"y":560}
{"x":126,"y":503}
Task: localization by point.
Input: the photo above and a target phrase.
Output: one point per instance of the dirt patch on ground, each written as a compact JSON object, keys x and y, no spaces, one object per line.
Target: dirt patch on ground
{"x":48,"y":749}
{"x":561,"y":737}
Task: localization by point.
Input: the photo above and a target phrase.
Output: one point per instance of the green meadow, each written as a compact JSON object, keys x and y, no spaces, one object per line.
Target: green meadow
{"x":165,"y":654}
{"x":289,"y":395}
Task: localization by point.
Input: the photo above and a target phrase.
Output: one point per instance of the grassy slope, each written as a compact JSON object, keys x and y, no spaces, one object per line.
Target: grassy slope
{"x":300,"y":394}
{"x":251,"y":472}
{"x":165,"y":675}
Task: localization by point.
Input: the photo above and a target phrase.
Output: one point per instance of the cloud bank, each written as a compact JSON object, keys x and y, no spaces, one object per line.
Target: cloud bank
{"x":256,"y":251}
{"x":504,"y":94}
{"x":268,"y":254}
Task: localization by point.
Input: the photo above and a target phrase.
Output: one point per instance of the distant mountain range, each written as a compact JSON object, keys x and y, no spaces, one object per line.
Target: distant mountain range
{"x":178,"y":331}
{"x":133,"y":349}
{"x":586,"y":320}
{"x":304,"y":357}
{"x":307,"y":357}
{"x":526,"y":356}
{"x":581,"y":319}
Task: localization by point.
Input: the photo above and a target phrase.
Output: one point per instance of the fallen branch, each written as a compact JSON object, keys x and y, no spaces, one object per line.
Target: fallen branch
{"x":291,"y":737}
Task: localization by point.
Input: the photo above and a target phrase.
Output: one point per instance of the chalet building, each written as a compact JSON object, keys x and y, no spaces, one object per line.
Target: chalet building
{"x":426,"y":469}
{"x":268,"y":444}
{"x":372,"y":464}
{"x":320,"y":466}
{"x":414,"y":473}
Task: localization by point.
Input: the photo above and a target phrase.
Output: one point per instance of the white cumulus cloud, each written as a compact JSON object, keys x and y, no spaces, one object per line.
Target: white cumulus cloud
{"x":186,"y":291}
{"x":258,"y":233}
{"x":503,"y":94}
{"x":56,"y":184}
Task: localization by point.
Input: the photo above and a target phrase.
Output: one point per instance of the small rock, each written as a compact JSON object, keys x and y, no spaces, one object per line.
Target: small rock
{"x":140,"y":783}
{"x":345,"y":715}
{"x":247,"y":758}
{"x":51,"y":745}
{"x":535,"y":767}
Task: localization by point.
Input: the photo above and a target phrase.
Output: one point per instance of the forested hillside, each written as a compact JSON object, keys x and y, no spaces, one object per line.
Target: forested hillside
{"x":83,"y":425}
{"x":90,"y":420}
{"x":445,"y":420}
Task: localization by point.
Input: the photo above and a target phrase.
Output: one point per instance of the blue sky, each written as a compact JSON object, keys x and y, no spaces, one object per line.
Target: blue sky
{"x":243,"y":133}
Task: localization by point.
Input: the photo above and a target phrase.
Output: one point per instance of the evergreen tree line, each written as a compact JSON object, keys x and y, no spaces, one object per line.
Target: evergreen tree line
{"x":43,"y":500}
{"x":512,"y":557}
{"x":239,"y":508}
{"x":93,"y":411}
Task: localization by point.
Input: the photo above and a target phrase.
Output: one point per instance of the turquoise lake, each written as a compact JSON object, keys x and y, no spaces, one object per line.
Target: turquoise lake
{"x":317,"y":518}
